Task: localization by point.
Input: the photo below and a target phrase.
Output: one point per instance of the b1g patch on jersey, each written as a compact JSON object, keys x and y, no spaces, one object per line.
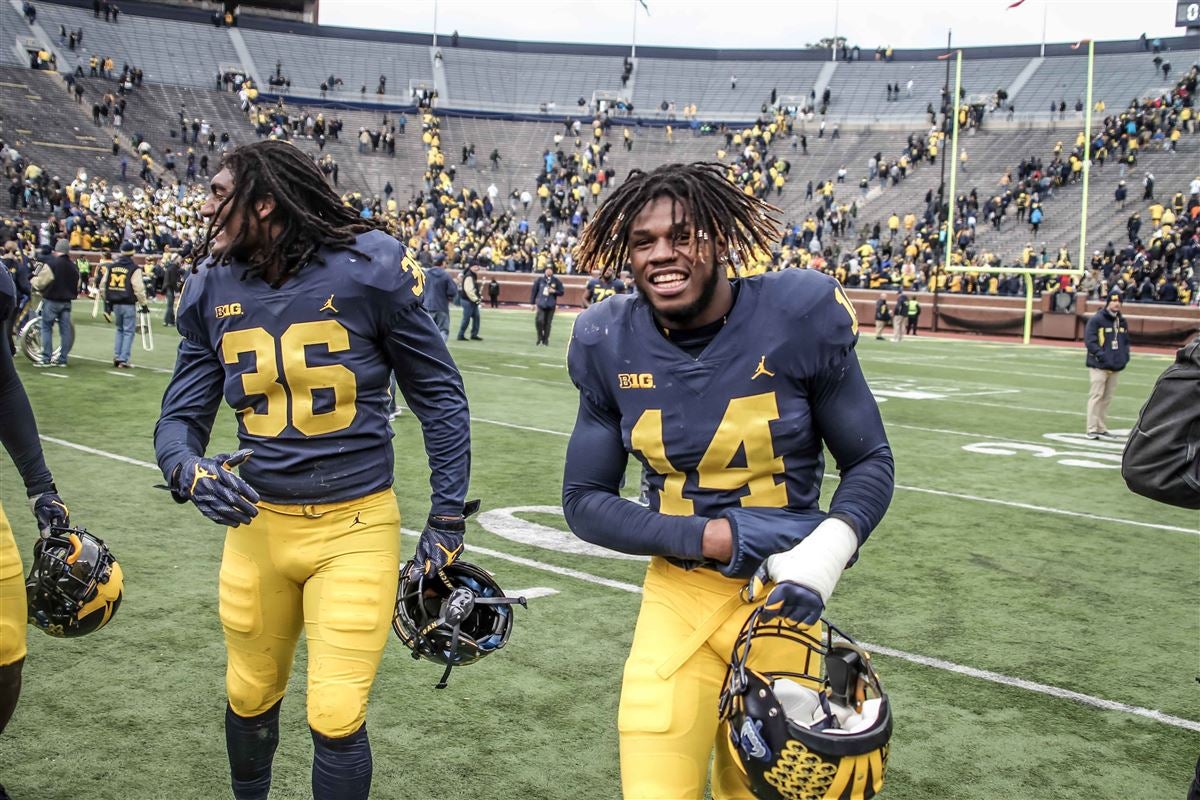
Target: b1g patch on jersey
{"x":635,"y":380}
{"x":229,"y":310}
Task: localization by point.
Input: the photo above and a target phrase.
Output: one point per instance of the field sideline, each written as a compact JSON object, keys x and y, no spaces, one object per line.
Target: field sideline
{"x":1034,"y":622}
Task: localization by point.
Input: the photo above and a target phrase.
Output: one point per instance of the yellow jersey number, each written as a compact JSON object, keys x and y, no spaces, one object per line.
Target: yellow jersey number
{"x":745,"y":426}
{"x":290,"y":399}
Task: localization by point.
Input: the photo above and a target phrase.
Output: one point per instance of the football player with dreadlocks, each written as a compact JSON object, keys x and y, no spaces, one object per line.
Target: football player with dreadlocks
{"x":726,"y":391}
{"x":297,"y":312}
{"x":20,"y":436}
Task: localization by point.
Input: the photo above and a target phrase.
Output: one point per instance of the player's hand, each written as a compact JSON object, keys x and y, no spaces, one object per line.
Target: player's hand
{"x":798,"y":604}
{"x":441,"y":542}
{"x":50,"y":511}
{"x":220,"y":495}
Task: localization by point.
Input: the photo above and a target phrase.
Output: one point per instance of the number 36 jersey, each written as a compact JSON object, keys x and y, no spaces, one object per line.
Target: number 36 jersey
{"x":743,"y":423}
{"x":306,"y":368}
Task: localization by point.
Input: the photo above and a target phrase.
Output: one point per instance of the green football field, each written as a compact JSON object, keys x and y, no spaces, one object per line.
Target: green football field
{"x":1036,"y":625}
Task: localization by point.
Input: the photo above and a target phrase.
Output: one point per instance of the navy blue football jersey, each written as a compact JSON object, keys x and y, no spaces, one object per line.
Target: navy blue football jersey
{"x":597,"y":289}
{"x":742,"y":424}
{"x":307,"y":366}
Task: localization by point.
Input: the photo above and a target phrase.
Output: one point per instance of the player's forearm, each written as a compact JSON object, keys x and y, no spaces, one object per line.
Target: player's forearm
{"x":865,"y":491}
{"x":434,"y":391}
{"x":862,"y":452}
{"x":19,"y":430}
{"x":596,"y":459}
{"x":189,"y":407}
{"x":606,"y":519}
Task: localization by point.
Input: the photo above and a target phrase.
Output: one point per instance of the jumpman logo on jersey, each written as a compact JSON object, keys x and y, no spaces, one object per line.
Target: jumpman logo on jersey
{"x":328,"y":305}
{"x":761,"y":369}
{"x":357,"y":521}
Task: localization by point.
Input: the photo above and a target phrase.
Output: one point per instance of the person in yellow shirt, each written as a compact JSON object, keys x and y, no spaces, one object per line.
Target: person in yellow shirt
{"x":893,"y":224}
{"x":1156,"y":214}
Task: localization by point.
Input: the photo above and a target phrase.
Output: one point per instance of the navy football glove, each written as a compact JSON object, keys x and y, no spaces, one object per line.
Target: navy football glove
{"x":441,"y":542}
{"x":50,"y":511}
{"x":799,"y":604}
{"x":211,"y":484}
{"x":806,"y":575}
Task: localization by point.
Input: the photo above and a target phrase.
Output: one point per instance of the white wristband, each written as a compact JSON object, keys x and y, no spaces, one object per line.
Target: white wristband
{"x":818,"y":561}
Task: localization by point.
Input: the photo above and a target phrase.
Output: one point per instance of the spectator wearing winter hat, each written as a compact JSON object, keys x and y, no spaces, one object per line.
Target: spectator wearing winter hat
{"x":123,"y":287}
{"x":1107,"y":342}
{"x":57,"y":279}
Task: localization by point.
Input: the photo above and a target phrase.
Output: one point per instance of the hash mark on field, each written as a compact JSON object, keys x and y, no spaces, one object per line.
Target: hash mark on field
{"x":556,"y":366}
{"x":121,"y":374}
{"x":55,"y":375}
{"x":515,"y":366}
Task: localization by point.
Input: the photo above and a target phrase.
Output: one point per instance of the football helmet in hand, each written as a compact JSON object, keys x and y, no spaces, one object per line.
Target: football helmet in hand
{"x":453,"y":617}
{"x":812,"y":732}
{"x":75,"y":584}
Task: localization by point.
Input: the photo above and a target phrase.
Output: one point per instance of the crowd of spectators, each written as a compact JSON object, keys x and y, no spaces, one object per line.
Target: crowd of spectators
{"x":530,"y":229}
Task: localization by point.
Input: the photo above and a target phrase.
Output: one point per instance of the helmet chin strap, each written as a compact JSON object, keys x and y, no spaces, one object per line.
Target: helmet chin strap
{"x":455,"y":610}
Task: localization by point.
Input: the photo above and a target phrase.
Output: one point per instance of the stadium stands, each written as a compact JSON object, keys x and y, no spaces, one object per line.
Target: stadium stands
{"x":168,"y":51}
{"x":514,"y":98}
{"x":12,"y":27}
{"x":39,"y":119}
{"x":707,"y":84}
{"x":858,"y":91}
{"x":1117,"y":80}
{"x":309,"y":61}
{"x":526,"y":82}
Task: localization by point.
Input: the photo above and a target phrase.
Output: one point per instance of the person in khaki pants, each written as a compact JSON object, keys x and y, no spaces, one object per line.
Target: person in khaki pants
{"x":1107,"y":341}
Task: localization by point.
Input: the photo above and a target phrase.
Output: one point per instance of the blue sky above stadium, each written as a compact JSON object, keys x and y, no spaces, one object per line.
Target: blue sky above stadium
{"x":766,"y":23}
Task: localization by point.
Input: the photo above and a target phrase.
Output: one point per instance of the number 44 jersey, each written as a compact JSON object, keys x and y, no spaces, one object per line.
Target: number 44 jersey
{"x":307,"y":366}
{"x":743,"y":423}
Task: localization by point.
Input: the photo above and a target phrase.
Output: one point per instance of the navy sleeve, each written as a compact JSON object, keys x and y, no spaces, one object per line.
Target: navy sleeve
{"x":861,"y":449}
{"x":189,"y":406}
{"x":1091,"y":336}
{"x":595,"y":511}
{"x":533,"y":292}
{"x":19,"y":430}
{"x":194,"y":393}
{"x":433,"y":389}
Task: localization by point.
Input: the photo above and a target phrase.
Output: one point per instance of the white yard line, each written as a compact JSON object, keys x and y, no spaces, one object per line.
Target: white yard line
{"x":109,"y":361}
{"x":92,"y":450}
{"x":927,"y":661}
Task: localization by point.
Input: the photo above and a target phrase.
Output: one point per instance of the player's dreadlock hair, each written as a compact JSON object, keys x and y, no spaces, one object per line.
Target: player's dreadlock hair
{"x":312,"y":214}
{"x":718,"y":210}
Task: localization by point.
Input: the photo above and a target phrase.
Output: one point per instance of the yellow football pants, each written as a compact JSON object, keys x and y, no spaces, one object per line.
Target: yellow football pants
{"x":13,"y":614}
{"x":669,"y":730}
{"x":333,"y":568}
